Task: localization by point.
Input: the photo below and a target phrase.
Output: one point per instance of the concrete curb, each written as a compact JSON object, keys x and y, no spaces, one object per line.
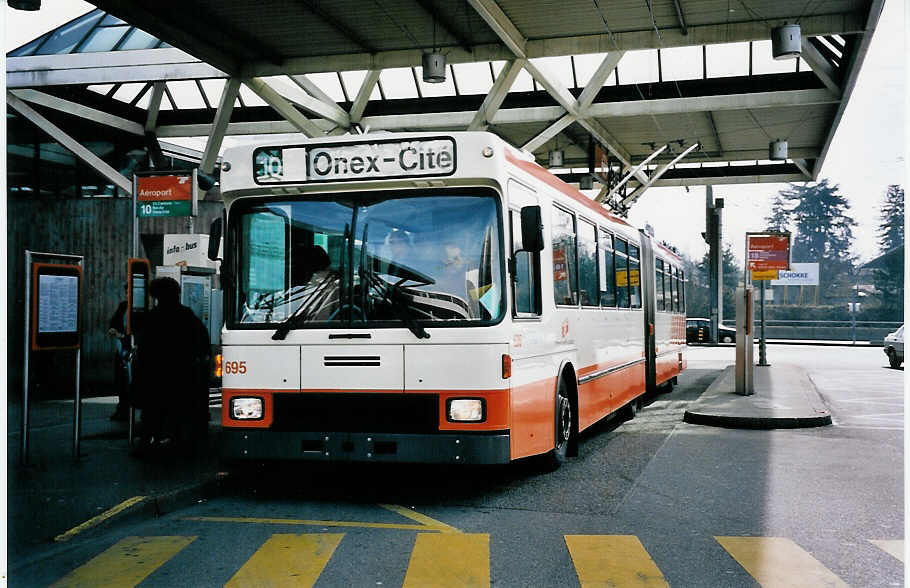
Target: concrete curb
{"x":764,"y":423}
{"x":785,"y":398}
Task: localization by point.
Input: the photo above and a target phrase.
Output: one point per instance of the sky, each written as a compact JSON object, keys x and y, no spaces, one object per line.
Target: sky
{"x":868,"y":152}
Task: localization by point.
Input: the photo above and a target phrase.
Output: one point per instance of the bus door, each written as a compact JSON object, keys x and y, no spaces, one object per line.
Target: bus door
{"x":648,"y":288}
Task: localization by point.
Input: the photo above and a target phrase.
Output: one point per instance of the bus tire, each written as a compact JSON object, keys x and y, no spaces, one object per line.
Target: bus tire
{"x":564,"y":423}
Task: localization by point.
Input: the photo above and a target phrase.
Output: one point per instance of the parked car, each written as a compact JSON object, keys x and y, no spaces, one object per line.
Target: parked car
{"x":894,"y":347}
{"x":698,"y":330}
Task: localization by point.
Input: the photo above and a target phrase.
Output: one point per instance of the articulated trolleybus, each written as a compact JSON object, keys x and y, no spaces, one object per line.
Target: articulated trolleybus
{"x":431,"y":298}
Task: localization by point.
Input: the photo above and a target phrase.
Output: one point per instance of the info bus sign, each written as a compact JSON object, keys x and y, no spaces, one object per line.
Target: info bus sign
{"x":767,"y":251}
{"x":165,"y":194}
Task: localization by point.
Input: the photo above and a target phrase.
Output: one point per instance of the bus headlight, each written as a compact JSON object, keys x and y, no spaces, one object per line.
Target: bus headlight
{"x":466,"y":409}
{"x":246,"y":408}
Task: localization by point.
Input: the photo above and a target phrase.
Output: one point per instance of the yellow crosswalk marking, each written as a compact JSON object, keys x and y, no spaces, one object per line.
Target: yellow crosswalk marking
{"x":779,"y":562}
{"x":894,"y":547}
{"x":449,"y":559}
{"x":612,"y":560}
{"x":288,"y":560}
{"x":126,"y":563}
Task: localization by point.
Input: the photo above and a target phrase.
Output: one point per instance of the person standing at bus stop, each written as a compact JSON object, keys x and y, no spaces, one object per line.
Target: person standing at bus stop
{"x":116,"y":328}
{"x":170,"y":377}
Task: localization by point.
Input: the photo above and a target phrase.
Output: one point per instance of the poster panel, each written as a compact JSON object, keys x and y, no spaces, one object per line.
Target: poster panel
{"x":55,"y":303}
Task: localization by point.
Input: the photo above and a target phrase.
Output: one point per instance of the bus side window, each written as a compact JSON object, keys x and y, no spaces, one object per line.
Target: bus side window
{"x":526,"y":280}
{"x":607,"y":270}
{"x":565,"y":274}
{"x":682,"y":291}
{"x":668,"y":287}
{"x":587,"y":264}
{"x":634,"y":277}
{"x":622,"y":273}
{"x":676,"y":289}
{"x":659,"y":284}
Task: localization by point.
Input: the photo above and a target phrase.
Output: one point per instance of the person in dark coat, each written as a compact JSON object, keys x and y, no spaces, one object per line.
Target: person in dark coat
{"x":170,"y":374}
{"x":116,"y":328}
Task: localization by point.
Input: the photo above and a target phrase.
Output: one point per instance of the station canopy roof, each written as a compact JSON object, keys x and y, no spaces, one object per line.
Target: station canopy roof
{"x":676,"y":92}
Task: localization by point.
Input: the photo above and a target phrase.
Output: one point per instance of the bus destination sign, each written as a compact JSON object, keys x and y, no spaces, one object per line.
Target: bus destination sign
{"x":359,"y":161}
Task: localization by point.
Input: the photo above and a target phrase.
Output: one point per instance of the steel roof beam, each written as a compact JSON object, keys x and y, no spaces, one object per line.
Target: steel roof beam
{"x":681,"y":17}
{"x":363,"y":95}
{"x":219,"y":125}
{"x":72,"y":108}
{"x":502,"y":25}
{"x":316,"y":92}
{"x":711,"y":103}
{"x":151,"y":120}
{"x":597,"y":80}
{"x":549,"y":132}
{"x":497,"y":94}
{"x":70,"y":143}
{"x":842,"y":23}
{"x":283,"y":107}
{"x":329,"y":111}
{"x":821,"y":66}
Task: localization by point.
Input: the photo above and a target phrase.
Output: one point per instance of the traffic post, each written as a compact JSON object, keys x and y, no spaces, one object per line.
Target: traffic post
{"x":767,"y":253}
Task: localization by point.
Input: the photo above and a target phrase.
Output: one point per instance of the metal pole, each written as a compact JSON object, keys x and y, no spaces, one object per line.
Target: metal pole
{"x":132,"y":410}
{"x":23,"y":445}
{"x":762,"y":358}
{"x":77,"y":407}
{"x":135,"y":222}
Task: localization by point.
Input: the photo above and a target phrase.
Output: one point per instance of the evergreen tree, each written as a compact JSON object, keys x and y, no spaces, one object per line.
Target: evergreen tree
{"x":780,"y":217}
{"x":824,"y":234}
{"x":731,"y":276}
{"x":891,"y":228}
{"x":889,"y":275}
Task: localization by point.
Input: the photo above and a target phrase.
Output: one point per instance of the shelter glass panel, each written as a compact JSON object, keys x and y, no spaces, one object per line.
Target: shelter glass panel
{"x":727,"y":60}
{"x":138,"y":39}
{"x":638,"y":67}
{"x":681,"y":63}
{"x":586,"y":65}
{"x":103,"y":39}
{"x":65,"y":39}
{"x":473,"y":78}
{"x":398,"y":83}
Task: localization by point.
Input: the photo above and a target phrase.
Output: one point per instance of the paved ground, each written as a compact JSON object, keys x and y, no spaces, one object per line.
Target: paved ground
{"x":825,"y":505}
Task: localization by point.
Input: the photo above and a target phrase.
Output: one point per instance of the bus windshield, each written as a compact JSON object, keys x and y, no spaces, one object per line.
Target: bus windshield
{"x":369,"y":259}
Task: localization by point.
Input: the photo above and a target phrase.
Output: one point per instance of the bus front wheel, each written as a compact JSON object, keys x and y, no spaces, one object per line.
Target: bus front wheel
{"x":563,"y":427}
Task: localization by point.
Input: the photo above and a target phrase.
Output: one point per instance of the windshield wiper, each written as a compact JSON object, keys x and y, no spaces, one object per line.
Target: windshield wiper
{"x":400,"y":304}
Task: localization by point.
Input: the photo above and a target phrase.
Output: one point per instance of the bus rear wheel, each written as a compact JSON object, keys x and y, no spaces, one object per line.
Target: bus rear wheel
{"x":563,"y":427}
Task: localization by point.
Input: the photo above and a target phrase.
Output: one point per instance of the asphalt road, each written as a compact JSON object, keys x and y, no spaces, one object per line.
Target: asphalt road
{"x":655,"y":499}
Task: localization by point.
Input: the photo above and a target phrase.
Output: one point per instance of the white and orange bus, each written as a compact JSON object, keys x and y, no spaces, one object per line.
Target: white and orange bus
{"x":431,"y":298}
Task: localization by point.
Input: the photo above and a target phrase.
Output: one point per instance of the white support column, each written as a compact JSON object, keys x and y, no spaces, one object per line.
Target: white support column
{"x":151,"y":121}
{"x":496,"y":95}
{"x":656,"y":176}
{"x":283,"y":107}
{"x":219,"y":125}
{"x":363,"y":95}
{"x":549,"y":132}
{"x":78,"y":150}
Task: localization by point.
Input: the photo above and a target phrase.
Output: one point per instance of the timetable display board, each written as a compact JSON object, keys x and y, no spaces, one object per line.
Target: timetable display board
{"x":767,"y":251}
{"x":55,"y":306}
{"x":139,"y":273}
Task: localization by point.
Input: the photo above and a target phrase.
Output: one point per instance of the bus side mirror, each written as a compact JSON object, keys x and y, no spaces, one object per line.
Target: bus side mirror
{"x":215,"y":238}
{"x":531,"y":229}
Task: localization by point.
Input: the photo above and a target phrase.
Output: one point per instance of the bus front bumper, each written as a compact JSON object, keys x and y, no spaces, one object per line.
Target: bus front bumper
{"x":456,"y":448}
